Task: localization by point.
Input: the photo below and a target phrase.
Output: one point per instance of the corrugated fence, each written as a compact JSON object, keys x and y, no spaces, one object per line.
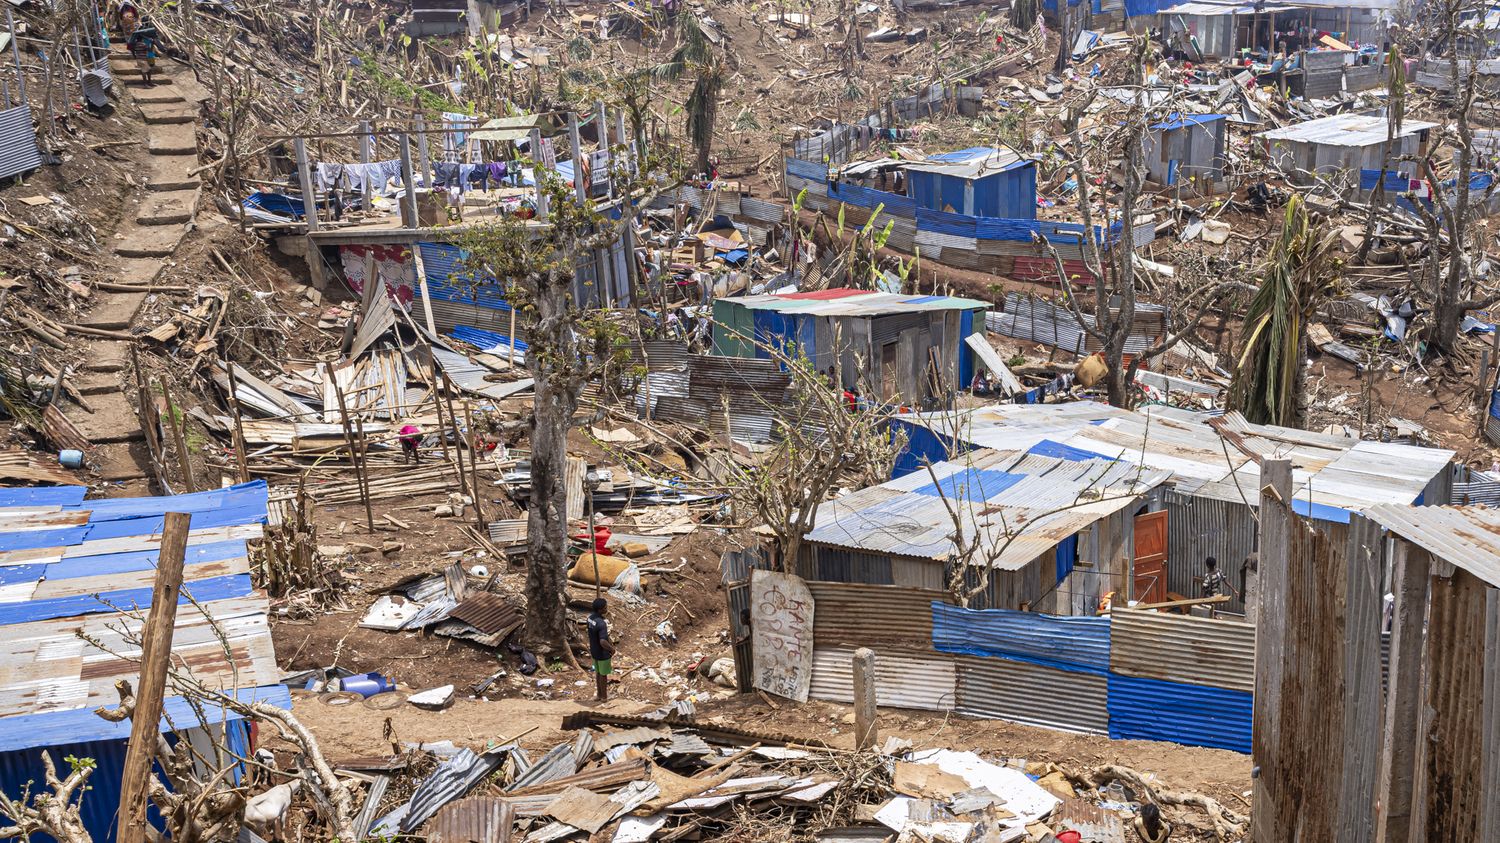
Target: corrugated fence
{"x":1130,"y":675}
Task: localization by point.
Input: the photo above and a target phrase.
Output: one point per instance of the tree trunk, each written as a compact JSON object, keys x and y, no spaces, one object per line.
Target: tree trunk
{"x":547,"y":512}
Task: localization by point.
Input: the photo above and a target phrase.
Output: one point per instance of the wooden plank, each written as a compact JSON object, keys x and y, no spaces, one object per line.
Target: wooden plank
{"x":1489,"y":783}
{"x":1403,"y":694}
{"x":1450,"y":772}
{"x":156,"y":654}
{"x":1270,"y":636}
{"x":1363,"y":598}
{"x":1006,"y":381}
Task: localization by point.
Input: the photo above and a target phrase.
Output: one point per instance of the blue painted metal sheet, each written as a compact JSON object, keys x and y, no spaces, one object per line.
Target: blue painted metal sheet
{"x":1067,"y":557}
{"x":253,"y":493}
{"x":924,"y":446}
{"x":59,"y":728}
{"x":204,"y":519}
{"x":806,"y":169}
{"x":31,"y":539}
{"x":1320,"y":511}
{"x":63,"y":496}
{"x":449,"y":280}
{"x":958,"y":225}
{"x":66,"y":737}
{"x":971,"y":484}
{"x":138,"y":560}
{"x":966,"y":354}
{"x":1157,"y":710}
{"x":482,"y":338}
{"x":213,"y":588}
{"x":1049,"y":448}
{"x":865,"y":197}
{"x":1076,"y":644}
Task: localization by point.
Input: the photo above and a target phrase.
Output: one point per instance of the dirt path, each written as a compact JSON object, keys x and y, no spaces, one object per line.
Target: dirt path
{"x":147,"y":236}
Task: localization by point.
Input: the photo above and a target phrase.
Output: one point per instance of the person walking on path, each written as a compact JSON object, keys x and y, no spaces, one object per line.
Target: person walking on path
{"x":601,"y":649}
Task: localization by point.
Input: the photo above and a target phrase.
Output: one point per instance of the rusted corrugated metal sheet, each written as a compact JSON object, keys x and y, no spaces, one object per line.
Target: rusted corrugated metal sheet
{"x":488,"y":612}
{"x":903,"y":679}
{"x":1033,"y":694}
{"x":1199,"y":527}
{"x":479,"y":819}
{"x":858,"y":615}
{"x":608,"y":777}
{"x":1183,"y":648}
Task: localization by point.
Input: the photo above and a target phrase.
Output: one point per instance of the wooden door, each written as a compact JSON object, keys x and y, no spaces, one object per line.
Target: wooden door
{"x":1150,"y":584}
{"x":888,"y":372}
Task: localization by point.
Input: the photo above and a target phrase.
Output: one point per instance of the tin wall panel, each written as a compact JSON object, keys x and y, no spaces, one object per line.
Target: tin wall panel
{"x":18,"y":150}
{"x":1198,"y":528}
{"x":1182,"y":648}
{"x":903,"y":679}
{"x":806,"y":170}
{"x":859,"y":615}
{"x":1033,"y":694}
{"x":761,"y":211}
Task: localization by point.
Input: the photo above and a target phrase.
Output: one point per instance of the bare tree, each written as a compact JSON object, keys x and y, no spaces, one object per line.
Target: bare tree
{"x":1454,"y":219}
{"x":1109,"y":258}
{"x":821,"y":444}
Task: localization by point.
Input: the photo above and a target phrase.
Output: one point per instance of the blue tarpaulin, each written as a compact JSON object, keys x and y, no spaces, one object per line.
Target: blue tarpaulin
{"x":1067,"y":643}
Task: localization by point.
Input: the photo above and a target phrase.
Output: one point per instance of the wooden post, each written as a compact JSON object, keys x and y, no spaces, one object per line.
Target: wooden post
{"x":239,"y":428}
{"x":179,"y":437}
{"x":866,"y":730}
{"x":422,"y":159}
{"x":364,"y":471}
{"x":474,"y":474}
{"x":536,"y":172}
{"x":1409,"y":582}
{"x":458,"y":437}
{"x":365,"y":138}
{"x":156,"y":654}
{"x":512,"y":334}
{"x":1276,"y":525}
{"x":437,"y":401}
{"x":410,"y":195}
{"x":579,"y":191}
{"x":359,"y":475}
{"x":309,"y":213}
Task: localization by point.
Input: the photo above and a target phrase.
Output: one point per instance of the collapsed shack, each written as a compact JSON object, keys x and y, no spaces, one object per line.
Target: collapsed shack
{"x":666,"y":775}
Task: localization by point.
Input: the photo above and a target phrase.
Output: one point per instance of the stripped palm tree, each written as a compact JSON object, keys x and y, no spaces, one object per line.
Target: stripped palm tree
{"x":1300,"y":273}
{"x":696,"y":54}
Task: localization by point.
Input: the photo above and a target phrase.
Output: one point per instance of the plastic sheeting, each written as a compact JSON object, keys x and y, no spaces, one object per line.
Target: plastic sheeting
{"x":1066,"y":643}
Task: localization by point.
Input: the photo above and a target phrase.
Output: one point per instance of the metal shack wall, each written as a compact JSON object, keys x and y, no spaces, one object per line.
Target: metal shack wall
{"x":1034,"y":694}
{"x":922,"y":680}
{"x":1182,"y":648}
{"x":1198,"y":528}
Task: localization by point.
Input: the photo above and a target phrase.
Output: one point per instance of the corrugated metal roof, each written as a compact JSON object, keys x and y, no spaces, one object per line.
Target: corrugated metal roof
{"x":1023,"y":506}
{"x":453,"y":779}
{"x":478,"y":819}
{"x":1467,"y":536}
{"x":1183,"y":648}
{"x":64,"y":572}
{"x":867,"y":303}
{"x":488,"y":612}
{"x":1034,"y":694}
{"x":974,"y":163}
{"x":1337,"y":471}
{"x":903,"y":679}
{"x":1345,"y":130}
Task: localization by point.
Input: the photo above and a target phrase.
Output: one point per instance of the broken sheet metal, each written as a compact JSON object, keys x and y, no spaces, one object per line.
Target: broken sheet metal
{"x":453,"y":779}
{"x":621,"y":802}
{"x":556,"y":764}
{"x":478,"y":819}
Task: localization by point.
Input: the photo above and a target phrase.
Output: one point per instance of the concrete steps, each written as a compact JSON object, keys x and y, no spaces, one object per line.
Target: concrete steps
{"x":114,"y":312}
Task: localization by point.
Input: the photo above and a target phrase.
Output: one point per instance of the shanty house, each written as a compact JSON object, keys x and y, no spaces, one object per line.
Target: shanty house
{"x":1051,"y":535}
{"x":1209,"y":502}
{"x":1187,"y":148}
{"x":895,"y":347}
{"x":1343,"y":143}
{"x":68,"y":568}
{"x":977,"y":182}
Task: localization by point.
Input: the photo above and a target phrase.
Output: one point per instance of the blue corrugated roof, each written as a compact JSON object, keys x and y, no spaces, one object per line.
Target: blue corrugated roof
{"x":1177,"y":121}
{"x":961,"y":155}
{"x":117,"y":579}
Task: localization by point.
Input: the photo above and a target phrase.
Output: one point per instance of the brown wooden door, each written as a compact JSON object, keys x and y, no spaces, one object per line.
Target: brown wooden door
{"x":1151,"y":558}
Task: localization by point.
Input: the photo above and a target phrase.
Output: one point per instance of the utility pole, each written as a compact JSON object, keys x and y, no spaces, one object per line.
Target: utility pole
{"x":156,"y":653}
